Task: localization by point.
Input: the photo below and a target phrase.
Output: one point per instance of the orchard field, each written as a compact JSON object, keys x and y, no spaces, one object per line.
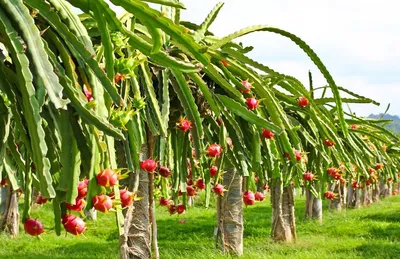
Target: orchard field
{"x":371,"y":232}
{"x":129,"y":132}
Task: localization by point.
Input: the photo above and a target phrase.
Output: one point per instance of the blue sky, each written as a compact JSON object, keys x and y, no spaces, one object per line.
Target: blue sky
{"x":358,"y":41}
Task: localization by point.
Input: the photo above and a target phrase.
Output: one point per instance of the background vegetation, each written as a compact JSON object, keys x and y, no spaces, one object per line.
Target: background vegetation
{"x":394,"y":126}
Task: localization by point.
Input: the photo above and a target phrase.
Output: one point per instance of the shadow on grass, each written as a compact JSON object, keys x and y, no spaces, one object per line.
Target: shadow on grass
{"x":392,"y":217}
{"x":376,"y":250}
{"x":84,"y":250}
{"x":87,"y":250}
{"x":390,"y":232}
{"x":194,"y":236}
{"x":257,"y":221}
{"x":112,"y":236}
{"x":187,"y":229}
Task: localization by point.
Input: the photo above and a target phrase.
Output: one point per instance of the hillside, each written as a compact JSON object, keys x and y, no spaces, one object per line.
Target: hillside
{"x":394,"y":126}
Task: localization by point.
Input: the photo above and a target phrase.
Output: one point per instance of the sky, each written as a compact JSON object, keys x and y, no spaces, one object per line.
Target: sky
{"x":358,"y":41}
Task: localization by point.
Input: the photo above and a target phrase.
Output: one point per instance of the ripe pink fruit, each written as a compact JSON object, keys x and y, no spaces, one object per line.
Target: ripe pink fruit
{"x":259,"y":196}
{"x":297,"y":153}
{"x":247,"y":87}
{"x":163,"y":201}
{"x":65,"y":218}
{"x":200,"y":184}
{"x":328,"y":142}
{"x":337,"y":176}
{"x":342,"y":181}
{"x":102,"y":203}
{"x":303,"y":101}
{"x":287,"y":155}
{"x":78,"y":206}
{"x":218,"y":189}
{"x":126,"y":197}
{"x":252,"y":103}
{"x":183,"y":124}
{"x":368,"y":182}
{"x":82,"y":188}
{"x":190,"y":191}
{"x":309,"y":176}
{"x":33,"y":227}
{"x":213,"y":171}
{"x":332,"y":171}
{"x":118,"y":77}
{"x":354,"y":127}
{"x":214,"y":150}
{"x":267,"y":134}
{"x":389,"y":179}
{"x":107,"y":178}
{"x":189,"y":182}
{"x":329,"y":195}
{"x":88,"y":94}
{"x":180,"y":208}
{"x":224,"y":63}
{"x":249,"y":198}
{"x":3,"y":182}
{"x":164,"y":171}
{"x":40,"y":199}
{"x":73,"y":224}
{"x":148,"y":165}
{"x":219,"y":121}
{"x":229,"y":141}
{"x":378,"y":166}
{"x":171,"y":209}
{"x":354,"y":184}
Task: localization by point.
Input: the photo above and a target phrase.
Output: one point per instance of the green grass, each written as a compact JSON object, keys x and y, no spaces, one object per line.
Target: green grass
{"x":372,"y":232}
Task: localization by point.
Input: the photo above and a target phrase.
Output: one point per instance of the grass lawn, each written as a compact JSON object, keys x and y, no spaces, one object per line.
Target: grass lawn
{"x":372,"y":232}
